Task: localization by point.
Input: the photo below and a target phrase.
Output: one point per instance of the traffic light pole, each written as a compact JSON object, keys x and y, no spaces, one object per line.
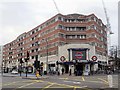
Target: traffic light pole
{"x":20,"y":69}
{"x":27,"y":63}
{"x":47,"y":57}
{"x":26,"y":68}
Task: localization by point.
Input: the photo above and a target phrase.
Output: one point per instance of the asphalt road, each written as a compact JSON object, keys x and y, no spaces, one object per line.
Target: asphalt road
{"x":54,"y":81}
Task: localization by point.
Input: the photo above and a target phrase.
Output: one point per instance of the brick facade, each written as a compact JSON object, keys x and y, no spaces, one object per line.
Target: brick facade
{"x":57,"y":31}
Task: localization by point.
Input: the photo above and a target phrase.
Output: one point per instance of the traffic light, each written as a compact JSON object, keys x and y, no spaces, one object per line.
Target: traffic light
{"x":37,"y":64}
{"x":26,"y":59}
{"x":21,"y":61}
{"x":27,"y":54}
{"x":41,"y":66}
{"x":56,"y":62}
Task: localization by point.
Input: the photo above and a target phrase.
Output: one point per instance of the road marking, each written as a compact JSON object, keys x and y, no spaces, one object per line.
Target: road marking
{"x":77,"y":82}
{"x":39,"y":80}
{"x":27,"y":85}
{"x":65,"y":85}
{"x":51,"y":84}
{"x":11,"y":83}
{"x":83,"y":78}
{"x":36,"y":81}
{"x":105,"y":81}
{"x":68,"y":81}
{"x":63,"y":78}
{"x":74,"y":88}
{"x":90,"y":81}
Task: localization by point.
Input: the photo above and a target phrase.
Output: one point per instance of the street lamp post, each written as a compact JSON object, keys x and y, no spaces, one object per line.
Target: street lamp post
{"x":26,"y":60}
{"x":2,"y":68}
{"x":26,"y":68}
{"x":20,"y":68}
{"x":20,"y":62}
{"x":47,"y":56}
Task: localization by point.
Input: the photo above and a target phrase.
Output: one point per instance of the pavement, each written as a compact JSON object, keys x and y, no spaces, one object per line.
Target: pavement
{"x":23,"y":75}
{"x":32,"y":76}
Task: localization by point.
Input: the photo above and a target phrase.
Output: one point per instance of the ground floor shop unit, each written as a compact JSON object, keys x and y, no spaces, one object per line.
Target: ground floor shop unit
{"x":79,"y":68}
{"x":79,"y":58}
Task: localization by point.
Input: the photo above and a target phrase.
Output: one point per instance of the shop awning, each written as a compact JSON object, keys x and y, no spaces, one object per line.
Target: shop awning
{"x":81,"y":61}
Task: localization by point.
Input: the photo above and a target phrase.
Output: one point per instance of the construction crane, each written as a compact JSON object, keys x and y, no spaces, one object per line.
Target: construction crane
{"x":56,"y":6}
{"x":109,"y":32}
{"x":107,"y":19}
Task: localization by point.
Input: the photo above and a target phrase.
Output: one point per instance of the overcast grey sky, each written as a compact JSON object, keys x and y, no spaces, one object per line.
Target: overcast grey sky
{"x":19,"y":16}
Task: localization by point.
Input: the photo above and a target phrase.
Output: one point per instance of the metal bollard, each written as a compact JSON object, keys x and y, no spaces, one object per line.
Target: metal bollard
{"x":110,"y":81}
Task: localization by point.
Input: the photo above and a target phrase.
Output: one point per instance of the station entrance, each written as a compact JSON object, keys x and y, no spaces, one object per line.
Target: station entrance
{"x":79,"y":69}
{"x":66,"y":68}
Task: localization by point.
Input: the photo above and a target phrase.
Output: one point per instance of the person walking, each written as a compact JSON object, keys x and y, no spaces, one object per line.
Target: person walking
{"x":58,"y":73}
{"x":37,"y":74}
{"x":75,"y":72}
{"x":62,"y":71}
{"x":70,"y":72}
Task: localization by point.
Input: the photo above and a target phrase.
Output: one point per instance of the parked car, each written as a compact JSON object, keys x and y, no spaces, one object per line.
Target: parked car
{"x":14,"y":72}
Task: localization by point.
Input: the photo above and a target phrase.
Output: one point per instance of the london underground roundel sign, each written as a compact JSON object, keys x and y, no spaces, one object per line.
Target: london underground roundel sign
{"x":79,"y":55}
{"x":62,"y":58}
{"x":94,"y":58}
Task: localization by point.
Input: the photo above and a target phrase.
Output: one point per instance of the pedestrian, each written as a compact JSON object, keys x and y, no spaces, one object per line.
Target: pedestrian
{"x":70,"y":72}
{"x":62,"y":71}
{"x":37,"y":74}
{"x":58,"y":73}
{"x":75,"y":72}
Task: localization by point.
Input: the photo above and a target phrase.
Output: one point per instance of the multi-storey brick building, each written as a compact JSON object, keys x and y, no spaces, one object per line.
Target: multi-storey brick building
{"x":58,"y":35}
{"x":1,"y":54}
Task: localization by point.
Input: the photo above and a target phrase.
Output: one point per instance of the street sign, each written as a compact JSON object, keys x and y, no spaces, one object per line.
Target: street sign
{"x":94,"y":58}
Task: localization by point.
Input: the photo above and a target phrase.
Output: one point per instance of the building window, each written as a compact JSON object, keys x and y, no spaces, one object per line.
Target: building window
{"x":33,"y":38}
{"x":92,"y":18}
{"x":93,"y":43}
{"x":59,"y":27}
{"x":33,"y":32}
{"x":59,"y":18}
{"x":32,"y":57}
{"x":32,"y":50}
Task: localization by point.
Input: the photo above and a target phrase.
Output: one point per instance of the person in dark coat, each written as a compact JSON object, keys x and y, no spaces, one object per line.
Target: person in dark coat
{"x":58,"y":73}
{"x":62,"y":71}
{"x":75,"y":72}
{"x":70,"y":72}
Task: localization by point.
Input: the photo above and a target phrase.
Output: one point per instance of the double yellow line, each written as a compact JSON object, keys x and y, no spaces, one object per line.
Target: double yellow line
{"x":105,"y":81}
{"x":11,"y":83}
{"x":63,"y":85}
